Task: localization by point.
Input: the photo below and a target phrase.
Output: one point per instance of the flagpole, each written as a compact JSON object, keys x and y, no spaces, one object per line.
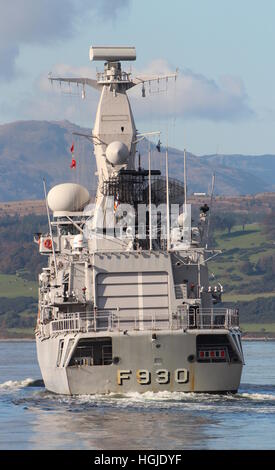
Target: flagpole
{"x":167,"y":200}
{"x":50,"y":226}
{"x":185,"y":186}
{"x":150,"y":200}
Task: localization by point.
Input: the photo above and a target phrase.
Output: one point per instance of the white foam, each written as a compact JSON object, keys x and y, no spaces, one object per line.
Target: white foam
{"x":13,"y":384}
{"x":257,"y":396}
{"x":182,"y":400}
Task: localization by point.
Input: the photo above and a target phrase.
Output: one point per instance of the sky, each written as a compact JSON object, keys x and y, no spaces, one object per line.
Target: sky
{"x":223,"y":100}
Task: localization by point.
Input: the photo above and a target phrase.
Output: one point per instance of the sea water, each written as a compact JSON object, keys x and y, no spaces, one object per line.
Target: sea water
{"x":33,"y":418}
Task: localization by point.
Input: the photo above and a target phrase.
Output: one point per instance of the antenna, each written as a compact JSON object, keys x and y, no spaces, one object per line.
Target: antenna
{"x":50,"y":226}
{"x":112,"y":53}
{"x":185,"y":178}
{"x":211,"y":203}
{"x":150,"y":199}
{"x":167,"y":200}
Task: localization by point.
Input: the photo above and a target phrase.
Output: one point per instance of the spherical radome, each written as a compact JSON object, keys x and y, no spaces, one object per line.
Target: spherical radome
{"x":117,"y":153}
{"x":182,"y":219}
{"x":69,"y":197}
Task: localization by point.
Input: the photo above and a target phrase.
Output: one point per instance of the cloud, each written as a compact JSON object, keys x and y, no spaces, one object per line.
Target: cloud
{"x":43,"y":22}
{"x":8,"y":56}
{"x":193,"y":96}
{"x":53,"y":102}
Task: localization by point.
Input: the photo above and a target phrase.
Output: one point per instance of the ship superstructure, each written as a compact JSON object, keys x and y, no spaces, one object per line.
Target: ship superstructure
{"x":125,"y":302}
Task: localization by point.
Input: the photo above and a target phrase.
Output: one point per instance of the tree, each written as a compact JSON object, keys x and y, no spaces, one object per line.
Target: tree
{"x":269,"y":225}
{"x":229,"y":222}
{"x":247,"y":268}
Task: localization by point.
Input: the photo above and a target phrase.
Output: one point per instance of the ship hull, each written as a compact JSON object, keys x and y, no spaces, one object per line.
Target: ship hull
{"x":140,"y":362}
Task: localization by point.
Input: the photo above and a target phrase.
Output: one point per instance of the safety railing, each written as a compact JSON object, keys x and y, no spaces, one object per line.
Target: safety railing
{"x":209,"y":318}
{"x":104,"y":77}
{"x":102,"y":320}
{"x":107,"y":320}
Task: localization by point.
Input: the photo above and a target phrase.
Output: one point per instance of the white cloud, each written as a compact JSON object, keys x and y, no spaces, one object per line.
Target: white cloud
{"x":192,"y":96}
{"x":42,"y":22}
{"x":52,"y":101}
{"x":8,"y":56}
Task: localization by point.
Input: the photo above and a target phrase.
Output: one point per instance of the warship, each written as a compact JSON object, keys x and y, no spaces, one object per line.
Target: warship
{"x":125,"y":301}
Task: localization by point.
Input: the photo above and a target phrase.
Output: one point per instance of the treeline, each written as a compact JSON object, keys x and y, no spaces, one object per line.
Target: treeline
{"x":261,"y":310}
{"x":226,"y":221}
{"x":18,"y":251}
{"x":19,"y":312}
{"x":264,"y":266}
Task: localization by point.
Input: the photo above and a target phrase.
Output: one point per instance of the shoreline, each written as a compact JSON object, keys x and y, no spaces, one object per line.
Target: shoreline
{"x":244,"y":338}
{"x":5,"y":340}
{"x":251,"y":338}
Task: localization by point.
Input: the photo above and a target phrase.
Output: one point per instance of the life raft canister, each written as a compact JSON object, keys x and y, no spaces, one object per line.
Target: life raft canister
{"x":48,"y":244}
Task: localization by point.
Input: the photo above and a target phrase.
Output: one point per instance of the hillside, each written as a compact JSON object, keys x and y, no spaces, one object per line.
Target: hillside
{"x":261,"y":166}
{"x":246,"y":266}
{"x":31,"y":150}
{"x":254,"y":205}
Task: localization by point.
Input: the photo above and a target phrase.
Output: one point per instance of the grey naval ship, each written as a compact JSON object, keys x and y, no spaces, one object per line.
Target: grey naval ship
{"x":123,"y":306}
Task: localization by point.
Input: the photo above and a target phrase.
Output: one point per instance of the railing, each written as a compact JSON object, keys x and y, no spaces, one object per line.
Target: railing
{"x":209,"y":318}
{"x":106,"y":320}
{"x":104,"y":77}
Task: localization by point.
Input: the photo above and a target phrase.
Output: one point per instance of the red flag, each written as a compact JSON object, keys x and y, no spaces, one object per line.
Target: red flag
{"x":72,"y":148}
{"x":116,"y":202}
{"x":73,"y":164}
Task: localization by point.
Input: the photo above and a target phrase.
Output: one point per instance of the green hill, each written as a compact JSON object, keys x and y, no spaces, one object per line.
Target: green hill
{"x":245,"y":268}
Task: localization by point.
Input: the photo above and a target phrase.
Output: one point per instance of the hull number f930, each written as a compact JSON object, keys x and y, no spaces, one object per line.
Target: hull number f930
{"x":161,"y":376}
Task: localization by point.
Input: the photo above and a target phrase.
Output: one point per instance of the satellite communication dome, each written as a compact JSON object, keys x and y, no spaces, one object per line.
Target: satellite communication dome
{"x":182,"y":219}
{"x":68,"y":197}
{"x":117,"y":153}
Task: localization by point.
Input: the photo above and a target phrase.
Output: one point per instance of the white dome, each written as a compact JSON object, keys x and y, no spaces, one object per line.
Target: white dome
{"x":69,"y":197}
{"x":117,"y":153}
{"x":182,"y":219}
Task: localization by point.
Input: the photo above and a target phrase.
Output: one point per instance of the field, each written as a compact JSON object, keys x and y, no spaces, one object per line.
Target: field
{"x":13,"y":286}
{"x":247,"y":297}
{"x":258,"y":327}
{"x":237,"y":247}
{"x":252,"y":292}
{"x":19,"y":333}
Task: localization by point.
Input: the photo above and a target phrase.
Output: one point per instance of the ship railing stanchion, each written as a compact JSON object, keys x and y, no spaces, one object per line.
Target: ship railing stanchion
{"x":94,"y":318}
{"x":212,"y":318}
{"x":118,"y":319}
{"x":86,"y":322}
{"x":227,"y":318}
{"x":198,"y":318}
